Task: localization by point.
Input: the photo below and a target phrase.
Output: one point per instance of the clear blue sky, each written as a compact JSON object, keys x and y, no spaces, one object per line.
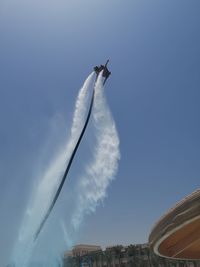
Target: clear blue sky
{"x":47,"y":48}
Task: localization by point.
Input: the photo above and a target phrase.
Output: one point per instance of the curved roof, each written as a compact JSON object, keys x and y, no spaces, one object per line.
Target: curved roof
{"x":177,"y":233}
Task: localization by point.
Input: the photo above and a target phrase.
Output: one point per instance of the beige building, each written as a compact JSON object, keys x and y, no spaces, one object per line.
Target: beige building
{"x":82,"y":249}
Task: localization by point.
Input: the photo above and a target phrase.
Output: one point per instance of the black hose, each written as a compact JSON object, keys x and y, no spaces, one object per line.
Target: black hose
{"x":67,"y":169}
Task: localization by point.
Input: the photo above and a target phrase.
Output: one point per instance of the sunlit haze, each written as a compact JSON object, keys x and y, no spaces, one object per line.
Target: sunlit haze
{"x":47,"y":50}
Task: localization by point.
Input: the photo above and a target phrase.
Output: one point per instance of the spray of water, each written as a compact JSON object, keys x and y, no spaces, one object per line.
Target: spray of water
{"x":92,"y":186}
{"x":49,"y":182}
{"x":102,"y":169}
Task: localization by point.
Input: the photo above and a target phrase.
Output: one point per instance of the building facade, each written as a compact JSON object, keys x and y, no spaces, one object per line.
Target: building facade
{"x":82,"y":249}
{"x":120,"y":256}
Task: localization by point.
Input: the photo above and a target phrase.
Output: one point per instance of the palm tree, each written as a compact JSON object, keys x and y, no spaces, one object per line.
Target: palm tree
{"x":92,"y":258}
{"x":131,"y":251}
{"x":118,"y":253}
{"x":147,"y":253}
{"x":108,"y":255}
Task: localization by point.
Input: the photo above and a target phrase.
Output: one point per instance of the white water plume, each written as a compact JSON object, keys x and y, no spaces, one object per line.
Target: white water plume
{"x":67,"y":239}
{"x":47,"y":186}
{"x":102,"y":169}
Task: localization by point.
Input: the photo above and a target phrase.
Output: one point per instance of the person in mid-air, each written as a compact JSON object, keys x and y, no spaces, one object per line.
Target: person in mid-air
{"x":106,"y":72}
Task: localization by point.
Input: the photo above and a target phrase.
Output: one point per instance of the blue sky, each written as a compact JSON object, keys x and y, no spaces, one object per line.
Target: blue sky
{"x":47,"y":49}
